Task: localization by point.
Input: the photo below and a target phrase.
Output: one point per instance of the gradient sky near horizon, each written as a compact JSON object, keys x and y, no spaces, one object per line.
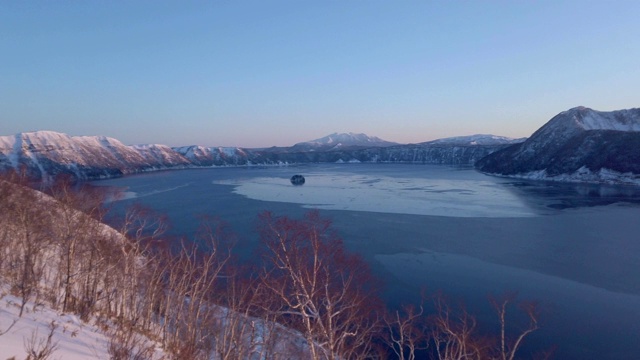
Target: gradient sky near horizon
{"x":264,"y":73}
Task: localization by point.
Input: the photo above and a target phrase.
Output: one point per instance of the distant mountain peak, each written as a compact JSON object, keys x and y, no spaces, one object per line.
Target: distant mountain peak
{"x":349,"y":139}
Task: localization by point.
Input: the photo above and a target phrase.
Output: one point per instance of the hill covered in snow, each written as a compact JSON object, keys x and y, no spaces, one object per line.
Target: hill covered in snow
{"x":579,"y":144}
{"x":66,"y":335}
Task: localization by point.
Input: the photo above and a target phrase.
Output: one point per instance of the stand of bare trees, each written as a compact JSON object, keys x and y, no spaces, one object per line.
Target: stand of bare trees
{"x":307,"y":298}
{"x":455,"y":334}
{"x":55,"y":249}
{"x":25,"y":239}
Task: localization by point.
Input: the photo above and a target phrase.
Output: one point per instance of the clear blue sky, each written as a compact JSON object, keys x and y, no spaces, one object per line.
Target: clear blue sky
{"x":262,"y":73}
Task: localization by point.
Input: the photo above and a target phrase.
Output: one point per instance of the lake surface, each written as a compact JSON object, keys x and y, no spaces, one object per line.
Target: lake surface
{"x":573,"y":248}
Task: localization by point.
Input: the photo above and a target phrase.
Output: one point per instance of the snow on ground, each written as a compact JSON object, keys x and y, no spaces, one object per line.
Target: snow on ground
{"x":74,"y":339}
{"x":228,"y":151}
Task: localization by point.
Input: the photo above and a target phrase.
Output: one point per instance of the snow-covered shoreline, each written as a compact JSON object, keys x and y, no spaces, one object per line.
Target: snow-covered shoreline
{"x":582,"y":175}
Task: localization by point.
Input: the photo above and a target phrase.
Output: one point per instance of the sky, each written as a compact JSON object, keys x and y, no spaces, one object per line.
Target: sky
{"x":274,"y":73}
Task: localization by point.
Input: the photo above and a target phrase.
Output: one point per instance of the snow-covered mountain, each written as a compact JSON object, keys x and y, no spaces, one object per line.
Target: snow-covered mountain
{"x":214,"y":156}
{"x":340,"y":141}
{"x":579,"y":144}
{"x":48,"y":153}
{"x":478,"y":139}
{"x":45,"y":154}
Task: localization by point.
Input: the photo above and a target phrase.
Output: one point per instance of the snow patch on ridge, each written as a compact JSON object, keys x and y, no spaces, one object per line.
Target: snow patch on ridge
{"x":17,"y":147}
{"x":621,"y":120}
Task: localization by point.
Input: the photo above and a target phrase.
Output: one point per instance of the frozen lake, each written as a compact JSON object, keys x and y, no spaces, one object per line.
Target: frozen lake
{"x":428,"y":194}
{"x":573,"y":248}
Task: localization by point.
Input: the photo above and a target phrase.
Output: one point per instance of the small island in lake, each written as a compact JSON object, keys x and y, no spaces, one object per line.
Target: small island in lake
{"x":297,"y":180}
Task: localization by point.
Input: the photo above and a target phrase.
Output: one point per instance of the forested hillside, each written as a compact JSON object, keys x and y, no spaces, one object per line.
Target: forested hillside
{"x":303,"y":297}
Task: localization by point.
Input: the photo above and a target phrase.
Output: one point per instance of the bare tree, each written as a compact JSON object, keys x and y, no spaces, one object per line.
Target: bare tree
{"x":243,"y":330}
{"x":509,"y":347}
{"x":78,"y":213}
{"x":184,"y":283}
{"x":455,"y":334}
{"x":322,"y":290}
{"x":26,"y":238}
{"x":406,"y":331}
{"x":143,"y":229}
{"x":5,"y":207}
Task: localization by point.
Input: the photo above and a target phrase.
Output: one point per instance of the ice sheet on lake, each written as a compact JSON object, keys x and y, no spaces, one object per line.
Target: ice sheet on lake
{"x":360,"y":192}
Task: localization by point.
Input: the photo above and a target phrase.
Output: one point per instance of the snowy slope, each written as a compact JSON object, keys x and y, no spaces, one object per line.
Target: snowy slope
{"x":579,"y":144}
{"x":589,"y":119}
{"x":73,"y":338}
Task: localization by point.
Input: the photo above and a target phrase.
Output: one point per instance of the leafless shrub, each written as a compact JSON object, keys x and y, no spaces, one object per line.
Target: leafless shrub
{"x":38,"y":348}
{"x":126,"y":344}
{"x":2,"y":332}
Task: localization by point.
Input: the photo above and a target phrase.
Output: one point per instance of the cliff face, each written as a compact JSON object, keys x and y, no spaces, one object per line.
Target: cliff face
{"x":44,"y":154}
{"x":422,"y":154}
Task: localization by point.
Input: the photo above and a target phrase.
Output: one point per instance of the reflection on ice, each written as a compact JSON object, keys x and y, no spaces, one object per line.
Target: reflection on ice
{"x":419,"y":196}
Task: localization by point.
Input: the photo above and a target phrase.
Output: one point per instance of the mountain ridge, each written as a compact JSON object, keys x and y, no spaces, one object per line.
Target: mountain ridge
{"x":580,"y":144}
{"x":46,"y":154}
{"x":476,"y":139}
